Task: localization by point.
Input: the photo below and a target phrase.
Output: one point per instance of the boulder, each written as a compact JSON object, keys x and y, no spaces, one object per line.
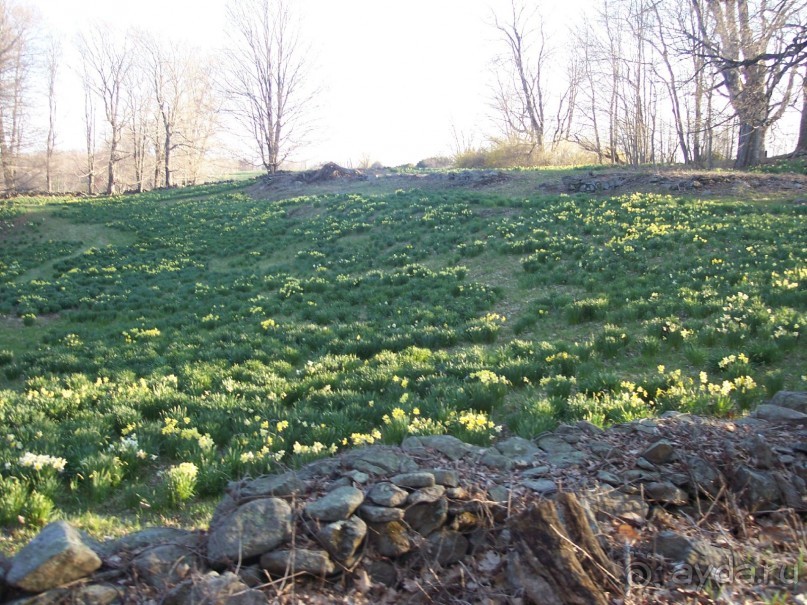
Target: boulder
{"x":252,"y":529}
{"x":777,"y":413}
{"x":390,"y":539}
{"x":413,"y":480}
{"x":300,"y":560}
{"x":215,"y":589}
{"x":447,"y":547}
{"x":660,"y":452}
{"x":387,"y":494}
{"x":380,"y":514}
{"x":758,"y":489}
{"x":285,"y":484}
{"x":343,"y":538}
{"x":795,"y":400}
{"x":165,"y":565}
{"x":56,"y":556}
{"x":336,"y":505}
{"x":427,"y":517}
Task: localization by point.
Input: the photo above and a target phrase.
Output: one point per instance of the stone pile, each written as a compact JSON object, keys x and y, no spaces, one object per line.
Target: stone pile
{"x":379,"y":512}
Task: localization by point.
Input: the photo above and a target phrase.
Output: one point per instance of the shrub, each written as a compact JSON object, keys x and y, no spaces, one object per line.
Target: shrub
{"x":179,"y":482}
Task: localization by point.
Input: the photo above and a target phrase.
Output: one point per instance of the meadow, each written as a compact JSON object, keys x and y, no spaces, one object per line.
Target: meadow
{"x":155,"y":346}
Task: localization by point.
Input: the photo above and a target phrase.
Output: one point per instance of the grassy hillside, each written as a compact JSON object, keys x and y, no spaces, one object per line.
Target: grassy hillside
{"x":154,"y":346}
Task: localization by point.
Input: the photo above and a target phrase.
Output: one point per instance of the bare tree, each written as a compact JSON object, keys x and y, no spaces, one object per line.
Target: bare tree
{"x":89,"y":127}
{"x":754,"y":51}
{"x":15,"y":63}
{"x":801,"y":145}
{"x":108,"y":60}
{"x":52,"y":54}
{"x":521,"y":96}
{"x":266,"y":77}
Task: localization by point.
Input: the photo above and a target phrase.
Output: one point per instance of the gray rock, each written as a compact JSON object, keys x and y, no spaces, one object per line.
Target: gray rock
{"x":387,"y":494}
{"x":383,"y":572}
{"x":286,"y":484}
{"x":792,"y":488}
{"x":413,"y":480}
{"x":602,"y":449}
{"x":704,"y":476}
{"x":457,"y":493}
{"x":645,"y":427}
{"x":637,"y":475}
{"x":89,"y":594}
{"x":762,"y":452}
{"x":251,"y":575}
{"x":517,"y":447}
{"x":499,"y":493}
{"x":357,"y":477}
{"x":645,"y":464}
{"x":776,"y":413}
{"x":151,"y":536}
{"x":426,"y":494}
{"x":427,"y":517}
{"x":589,"y":427}
{"x":609,"y":478}
{"x":541,"y":486}
{"x":449,"y":446}
{"x":494,"y":459}
{"x":659,"y":452}
{"x":795,"y":400}
{"x":390,"y":539}
{"x":567,"y":459}
{"x":609,"y":504}
{"x":299,"y":560}
{"x":758,"y":489}
{"x":215,"y":589}
{"x":444,"y":477}
{"x":380,"y":514}
{"x":535,"y":472}
{"x":692,"y":552}
{"x":447,"y":547}
{"x":165,"y":565}
{"x":665,"y":492}
{"x":336,"y":505}
{"x":252,"y":529}
{"x":96,"y":594}
{"x":56,"y":556}
{"x":379,"y":460}
{"x":343,"y":538}
{"x":554,"y":445}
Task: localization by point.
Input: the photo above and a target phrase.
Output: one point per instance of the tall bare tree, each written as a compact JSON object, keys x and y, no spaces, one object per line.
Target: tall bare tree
{"x":521,"y":78}
{"x":266,"y":78}
{"x":15,"y":63}
{"x":801,"y":144}
{"x":90,"y":126}
{"x":751,"y":53}
{"x":52,"y":54}
{"x":107,"y":57}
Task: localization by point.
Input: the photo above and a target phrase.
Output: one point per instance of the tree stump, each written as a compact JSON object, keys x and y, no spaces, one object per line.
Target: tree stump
{"x":557,"y":558}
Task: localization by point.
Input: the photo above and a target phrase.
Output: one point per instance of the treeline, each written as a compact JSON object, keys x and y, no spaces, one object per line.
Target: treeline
{"x":633,"y":82}
{"x":649,"y":81}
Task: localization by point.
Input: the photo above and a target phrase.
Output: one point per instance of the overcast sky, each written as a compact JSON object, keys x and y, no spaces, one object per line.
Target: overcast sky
{"x":396,"y":76}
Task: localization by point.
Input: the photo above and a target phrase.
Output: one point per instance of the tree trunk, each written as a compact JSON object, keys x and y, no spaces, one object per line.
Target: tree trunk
{"x":113,"y":159}
{"x":801,"y":146}
{"x":557,"y":559}
{"x":750,"y":145}
{"x":167,"y":156}
{"x":5,"y":158}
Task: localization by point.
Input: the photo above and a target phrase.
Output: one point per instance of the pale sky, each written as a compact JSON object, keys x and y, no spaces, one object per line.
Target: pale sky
{"x":396,"y":75}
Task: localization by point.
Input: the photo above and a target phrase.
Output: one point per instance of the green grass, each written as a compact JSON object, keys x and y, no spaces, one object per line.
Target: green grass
{"x":203,"y":326}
